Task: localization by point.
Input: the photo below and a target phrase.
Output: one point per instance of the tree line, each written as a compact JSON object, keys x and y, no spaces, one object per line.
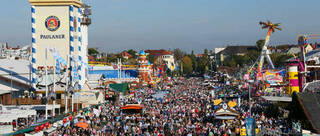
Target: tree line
{"x":190,"y":64}
{"x":199,"y":65}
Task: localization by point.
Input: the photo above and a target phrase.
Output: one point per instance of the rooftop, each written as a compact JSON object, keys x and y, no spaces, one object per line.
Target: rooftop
{"x":126,"y":54}
{"x":238,"y":49}
{"x":19,"y":69}
{"x":159,"y":52}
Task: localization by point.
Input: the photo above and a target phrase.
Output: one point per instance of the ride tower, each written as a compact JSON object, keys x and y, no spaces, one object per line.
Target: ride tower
{"x":143,"y":69}
{"x":56,"y":24}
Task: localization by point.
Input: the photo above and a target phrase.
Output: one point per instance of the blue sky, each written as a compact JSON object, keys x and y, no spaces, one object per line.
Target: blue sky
{"x":168,"y":24}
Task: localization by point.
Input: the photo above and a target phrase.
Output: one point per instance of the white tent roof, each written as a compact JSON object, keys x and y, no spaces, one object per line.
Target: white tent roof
{"x":5,"y":129}
{"x":6,"y":89}
{"x":9,"y":115}
{"x":19,"y":69}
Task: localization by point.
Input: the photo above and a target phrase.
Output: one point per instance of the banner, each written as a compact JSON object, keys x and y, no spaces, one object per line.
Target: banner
{"x":57,"y":67}
{"x":55,"y":53}
{"x":232,"y":104}
{"x":217,"y":102}
{"x":273,"y":77}
{"x":75,"y":72}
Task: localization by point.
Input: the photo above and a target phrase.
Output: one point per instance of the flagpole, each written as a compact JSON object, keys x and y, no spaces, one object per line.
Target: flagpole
{"x":77,"y":84}
{"x":66,"y":94}
{"x":71,"y":71}
{"x":72,"y":107}
{"x":54,"y":86}
{"x":46,"y":78}
{"x":118,"y":68}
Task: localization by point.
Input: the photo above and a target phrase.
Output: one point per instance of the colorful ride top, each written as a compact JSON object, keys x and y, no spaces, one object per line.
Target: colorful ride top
{"x":265,"y":52}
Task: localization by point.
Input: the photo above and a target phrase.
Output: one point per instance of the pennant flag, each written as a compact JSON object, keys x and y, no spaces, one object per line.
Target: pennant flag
{"x":57,"y":67}
{"x":75,"y":72}
{"x":217,"y":102}
{"x":232,"y":104}
{"x":57,"y":57}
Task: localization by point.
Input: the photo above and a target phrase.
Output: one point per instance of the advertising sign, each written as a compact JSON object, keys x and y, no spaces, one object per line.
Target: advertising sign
{"x":273,"y":77}
{"x":52,"y":30}
{"x":52,"y":23}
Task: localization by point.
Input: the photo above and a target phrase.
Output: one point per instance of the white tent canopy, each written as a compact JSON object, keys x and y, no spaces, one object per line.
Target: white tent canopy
{"x":13,"y":114}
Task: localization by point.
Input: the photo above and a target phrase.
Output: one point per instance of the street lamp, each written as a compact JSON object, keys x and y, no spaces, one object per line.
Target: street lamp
{"x":250,"y":90}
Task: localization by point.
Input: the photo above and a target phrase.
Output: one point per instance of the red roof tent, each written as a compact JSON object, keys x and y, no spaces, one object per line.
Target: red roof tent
{"x":12,"y":48}
{"x":126,"y":54}
{"x":132,"y":107}
{"x":91,"y":58}
{"x":199,"y":55}
{"x":158,"y":52}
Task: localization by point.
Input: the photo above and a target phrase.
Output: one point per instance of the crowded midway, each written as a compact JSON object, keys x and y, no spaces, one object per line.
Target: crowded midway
{"x":187,"y":108}
{"x":180,"y":82}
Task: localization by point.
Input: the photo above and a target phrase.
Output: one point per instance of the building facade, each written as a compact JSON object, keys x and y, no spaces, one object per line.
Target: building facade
{"x":223,"y":54}
{"x":8,"y":52}
{"x":169,"y":61}
{"x":165,"y":56}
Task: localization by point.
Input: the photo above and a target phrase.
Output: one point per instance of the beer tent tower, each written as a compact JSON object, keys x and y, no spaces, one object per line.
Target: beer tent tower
{"x":57,"y":24}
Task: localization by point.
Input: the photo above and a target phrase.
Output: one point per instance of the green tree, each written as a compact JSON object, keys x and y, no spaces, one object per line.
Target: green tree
{"x":178,"y":54}
{"x":132,"y":52}
{"x":112,"y":58}
{"x":103,"y":59}
{"x":245,"y":59}
{"x":187,"y":65}
{"x":132,"y":61}
{"x":205,"y":52}
{"x":123,"y":60}
{"x":240,"y":60}
{"x":92,"y":51}
{"x":252,"y":55}
{"x":283,"y":46}
{"x":274,"y":58}
{"x":232,"y":63}
{"x":203,"y":64}
{"x":194,"y":60}
{"x":279,"y":60}
{"x":260,"y":44}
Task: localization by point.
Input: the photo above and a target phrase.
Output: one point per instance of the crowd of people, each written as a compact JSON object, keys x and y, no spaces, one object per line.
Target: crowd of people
{"x":186,"y":108}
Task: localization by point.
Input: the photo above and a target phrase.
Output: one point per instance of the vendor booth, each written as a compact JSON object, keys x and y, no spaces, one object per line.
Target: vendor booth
{"x":226,"y":113}
{"x":132,"y":108}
